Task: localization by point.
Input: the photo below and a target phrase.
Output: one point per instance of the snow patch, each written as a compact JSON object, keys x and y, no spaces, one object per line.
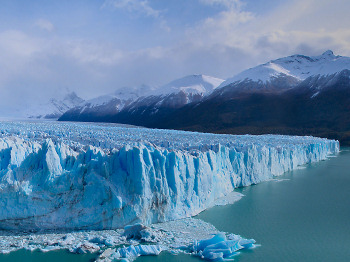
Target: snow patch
{"x":314,"y":95}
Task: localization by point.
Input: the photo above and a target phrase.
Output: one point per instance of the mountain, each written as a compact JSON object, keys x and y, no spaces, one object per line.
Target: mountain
{"x":283,"y":73}
{"x":192,"y":85}
{"x":305,"y":96}
{"x":54,"y":108}
{"x":144,"y":102}
{"x":106,"y":106}
{"x":295,"y":95}
{"x":298,"y":67}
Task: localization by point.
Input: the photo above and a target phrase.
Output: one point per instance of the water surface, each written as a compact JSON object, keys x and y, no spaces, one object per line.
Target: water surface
{"x":53,"y":256}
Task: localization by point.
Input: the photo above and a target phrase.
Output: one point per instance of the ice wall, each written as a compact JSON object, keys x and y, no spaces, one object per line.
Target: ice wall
{"x":51,"y":180}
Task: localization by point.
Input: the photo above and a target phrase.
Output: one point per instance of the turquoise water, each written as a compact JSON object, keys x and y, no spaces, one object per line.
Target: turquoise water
{"x":305,"y":217}
{"x":53,"y":256}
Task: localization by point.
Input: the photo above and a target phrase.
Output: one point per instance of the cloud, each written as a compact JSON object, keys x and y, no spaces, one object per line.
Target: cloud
{"x":222,"y":42}
{"x":17,"y":43}
{"x":138,"y":6}
{"x":224,"y":30}
{"x":230,"y":4}
{"x":93,"y":53}
{"x":17,"y":50}
{"x":45,"y":25}
{"x":296,"y":26}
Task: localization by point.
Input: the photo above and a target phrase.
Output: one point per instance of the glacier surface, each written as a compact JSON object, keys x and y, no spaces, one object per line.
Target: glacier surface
{"x":101,"y":176}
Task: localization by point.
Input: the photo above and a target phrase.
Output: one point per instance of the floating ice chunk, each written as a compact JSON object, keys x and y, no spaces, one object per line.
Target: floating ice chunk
{"x":134,"y":231}
{"x":279,"y":180}
{"x":107,"y":255}
{"x":110,"y":241}
{"x":49,"y":248}
{"x":67,"y":240}
{"x":103,"y":241}
{"x":141,"y":232}
{"x":133,"y":252}
{"x":219,"y":248}
{"x":246,"y":243}
{"x":85,"y":247}
{"x":97,"y":240}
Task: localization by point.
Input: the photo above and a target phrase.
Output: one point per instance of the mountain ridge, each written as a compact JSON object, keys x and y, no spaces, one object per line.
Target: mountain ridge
{"x":54,"y":108}
{"x":296,"y":66}
{"x":175,"y":94}
{"x":313,"y":99}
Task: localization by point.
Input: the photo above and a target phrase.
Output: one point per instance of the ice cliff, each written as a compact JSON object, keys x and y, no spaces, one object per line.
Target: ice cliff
{"x":90,"y":176}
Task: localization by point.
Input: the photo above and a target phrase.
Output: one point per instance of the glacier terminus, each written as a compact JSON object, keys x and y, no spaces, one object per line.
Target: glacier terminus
{"x":104,"y":176}
{"x":79,"y":176}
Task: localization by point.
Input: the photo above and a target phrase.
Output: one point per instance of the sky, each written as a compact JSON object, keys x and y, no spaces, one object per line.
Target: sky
{"x":94,"y":47}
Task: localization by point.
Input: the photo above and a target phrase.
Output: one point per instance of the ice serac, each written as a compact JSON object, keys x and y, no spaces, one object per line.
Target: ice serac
{"x":81,"y":176}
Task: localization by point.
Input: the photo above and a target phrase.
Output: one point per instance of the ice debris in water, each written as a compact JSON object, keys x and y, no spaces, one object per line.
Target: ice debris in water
{"x":182,"y":235}
{"x":93,"y":176}
{"x":218,"y":248}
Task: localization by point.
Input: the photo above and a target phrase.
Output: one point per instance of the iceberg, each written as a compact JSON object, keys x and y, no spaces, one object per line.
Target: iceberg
{"x":220,"y":248}
{"x":139,"y":250}
{"x":101,"y":176}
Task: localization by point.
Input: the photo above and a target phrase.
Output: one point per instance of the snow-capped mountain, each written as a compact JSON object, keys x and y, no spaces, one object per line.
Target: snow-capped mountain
{"x":178,"y":93}
{"x":296,"y":95}
{"x":145,"y":99}
{"x":117,"y":100}
{"x":192,"y":84}
{"x":297,"y":67}
{"x":106,"y":105}
{"x":54,"y":108}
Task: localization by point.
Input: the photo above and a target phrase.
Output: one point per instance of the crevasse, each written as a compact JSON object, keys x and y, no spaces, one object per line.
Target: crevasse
{"x":48,"y":183}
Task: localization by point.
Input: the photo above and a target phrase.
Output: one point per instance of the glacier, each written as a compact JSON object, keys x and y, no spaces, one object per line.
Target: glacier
{"x":56,"y":175}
